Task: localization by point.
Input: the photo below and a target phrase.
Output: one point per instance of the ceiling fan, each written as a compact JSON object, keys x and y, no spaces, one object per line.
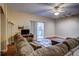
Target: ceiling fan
{"x":58,"y":8}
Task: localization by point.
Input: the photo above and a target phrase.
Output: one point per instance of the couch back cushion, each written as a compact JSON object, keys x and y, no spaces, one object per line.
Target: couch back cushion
{"x":71,"y":43}
{"x":63,"y":47}
{"x":55,"y":50}
{"x":23,"y":47}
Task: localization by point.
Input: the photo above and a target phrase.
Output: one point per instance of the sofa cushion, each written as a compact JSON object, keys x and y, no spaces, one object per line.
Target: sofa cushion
{"x":43,"y":52}
{"x":23,"y":47}
{"x":77,"y":39}
{"x":71,"y":43}
{"x":68,"y":54}
{"x":63,"y":47}
{"x":73,"y":52}
{"x":76,"y":53}
{"x":54,"y":50}
{"x":35,"y":45}
{"x":74,"y":49}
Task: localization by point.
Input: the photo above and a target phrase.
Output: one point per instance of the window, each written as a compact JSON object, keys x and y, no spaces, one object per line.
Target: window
{"x":40,"y":30}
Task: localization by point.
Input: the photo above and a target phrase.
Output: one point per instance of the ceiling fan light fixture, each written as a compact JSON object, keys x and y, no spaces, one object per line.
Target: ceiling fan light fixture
{"x":56,"y":13}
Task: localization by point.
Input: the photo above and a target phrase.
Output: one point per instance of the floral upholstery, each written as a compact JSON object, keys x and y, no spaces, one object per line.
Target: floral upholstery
{"x":23,"y":47}
{"x":56,"y":50}
{"x":71,"y":43}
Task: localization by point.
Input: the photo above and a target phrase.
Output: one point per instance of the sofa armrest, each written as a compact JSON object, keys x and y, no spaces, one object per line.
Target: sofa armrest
{"x":68,"y":54}
{"x":35,"y":46}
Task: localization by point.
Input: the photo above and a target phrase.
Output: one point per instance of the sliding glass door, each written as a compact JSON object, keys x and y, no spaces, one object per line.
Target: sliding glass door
{"x":39,"y":30}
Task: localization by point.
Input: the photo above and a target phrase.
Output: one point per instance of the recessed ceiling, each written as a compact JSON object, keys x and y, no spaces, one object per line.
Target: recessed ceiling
{"x":42,"y":9}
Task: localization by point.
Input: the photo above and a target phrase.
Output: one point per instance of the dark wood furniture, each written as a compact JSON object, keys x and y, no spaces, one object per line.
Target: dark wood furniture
{"x":29,"y":37}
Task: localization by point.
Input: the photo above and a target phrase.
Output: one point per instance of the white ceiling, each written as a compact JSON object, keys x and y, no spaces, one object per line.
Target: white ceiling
{"x":42,"y":9}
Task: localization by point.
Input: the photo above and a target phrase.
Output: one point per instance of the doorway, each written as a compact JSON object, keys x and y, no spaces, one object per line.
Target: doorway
{"x":40,"y":30}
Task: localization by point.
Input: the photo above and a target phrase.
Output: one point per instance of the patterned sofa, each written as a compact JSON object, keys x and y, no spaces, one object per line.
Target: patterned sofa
{"x":74,"y":51}
{"x":67,"y":48}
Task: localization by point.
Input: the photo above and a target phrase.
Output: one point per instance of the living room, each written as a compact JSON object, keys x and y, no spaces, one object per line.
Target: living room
{"x":60,"y":24}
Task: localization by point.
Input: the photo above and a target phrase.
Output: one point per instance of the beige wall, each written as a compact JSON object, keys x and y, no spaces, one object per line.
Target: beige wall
{"x":50,"y":28}
{"x":62,"y":27}
{"x":20,"y":19}
{"x":68,"y":27}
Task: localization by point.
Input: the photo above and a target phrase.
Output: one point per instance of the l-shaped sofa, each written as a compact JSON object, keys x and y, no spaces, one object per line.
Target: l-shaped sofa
{"x":70,"y":47}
